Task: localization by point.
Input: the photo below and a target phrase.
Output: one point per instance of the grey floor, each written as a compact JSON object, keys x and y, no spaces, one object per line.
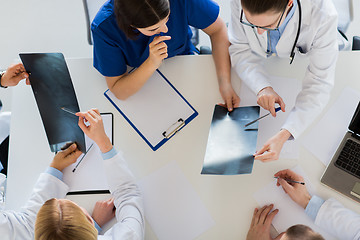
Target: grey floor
{"x":59,"y":26}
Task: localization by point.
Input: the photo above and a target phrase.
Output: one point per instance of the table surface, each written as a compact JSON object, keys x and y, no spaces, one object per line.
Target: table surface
{"x":229,"y":199}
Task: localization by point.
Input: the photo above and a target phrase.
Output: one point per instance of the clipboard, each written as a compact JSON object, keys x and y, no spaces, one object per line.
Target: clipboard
{"x":156,"y":112}
{"x":90,"y":176}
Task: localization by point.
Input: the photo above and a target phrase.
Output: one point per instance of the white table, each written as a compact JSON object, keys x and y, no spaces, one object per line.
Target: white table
{"x":228,"y":198}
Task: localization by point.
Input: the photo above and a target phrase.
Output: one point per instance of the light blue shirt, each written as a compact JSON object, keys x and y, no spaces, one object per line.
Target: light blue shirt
{"x":314,"y":206}
{"x":274,"y":36}
{"x":58,"y":174}
{"x":1,"y":167}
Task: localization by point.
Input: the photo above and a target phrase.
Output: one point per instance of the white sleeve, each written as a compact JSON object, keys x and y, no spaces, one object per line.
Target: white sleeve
{"x":247,"y":64}
{"x":338,"y":220}
{"x":20,"y":225}
{"x":319,"y":77}
{"x":128,"y":200}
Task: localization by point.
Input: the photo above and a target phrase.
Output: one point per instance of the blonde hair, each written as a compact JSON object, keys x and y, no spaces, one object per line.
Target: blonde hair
{"x":63,"y":220}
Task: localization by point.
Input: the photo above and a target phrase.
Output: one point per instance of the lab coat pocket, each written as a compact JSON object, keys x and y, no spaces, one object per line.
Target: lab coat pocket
{"x":301,"y":52}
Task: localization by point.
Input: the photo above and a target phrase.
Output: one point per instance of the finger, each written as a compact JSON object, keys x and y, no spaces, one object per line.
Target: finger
{"x":159,"y":39}
{"x":271,"y":216}
{"x":89,"y":118}
{"x":287,"y":173}
{"x":162,"y":51}
{"x":258,"y":214}
{"x":265,"y":213}
{"x":97,"y":111}
{"x":262,"y":150}
{"x":73,"y":156}
{"x":69,"y":150}
{"x":265,"y":157}
{"x":229,"y":104}
{"x":282,"y":104}
{"x":263,"y":103}
{"x":286,"y":186}
{"x":94,"y":115}
{"x":82,"y":125}
{"x":27,"y":81}
{"x":164,"y":55}
{"x":160,"y":46}
{"x":272,"y":107}
{"x":254,"y":217}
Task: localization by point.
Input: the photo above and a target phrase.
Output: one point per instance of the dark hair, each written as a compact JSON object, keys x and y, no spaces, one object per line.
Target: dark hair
{"x":131,"y":14}
{"x":262,"y":6}
{"x":302,"y":232}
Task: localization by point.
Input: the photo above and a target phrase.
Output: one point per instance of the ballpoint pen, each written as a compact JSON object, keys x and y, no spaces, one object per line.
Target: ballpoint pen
{"x":68,"y":111}
{"x":82,"y":158}
{"x":248,"y":124}
{"x":290,"y":181}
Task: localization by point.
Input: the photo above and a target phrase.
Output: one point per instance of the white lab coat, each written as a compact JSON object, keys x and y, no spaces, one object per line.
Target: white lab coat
{"x":20,"y":225}
{"x":128,"y":201}
{"x":339,"y":221}
{"x":318,"y":41}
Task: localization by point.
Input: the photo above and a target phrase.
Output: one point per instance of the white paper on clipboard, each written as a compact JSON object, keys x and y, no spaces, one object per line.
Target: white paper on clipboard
{"x":90,"y":174}
{"x":156,"y":108}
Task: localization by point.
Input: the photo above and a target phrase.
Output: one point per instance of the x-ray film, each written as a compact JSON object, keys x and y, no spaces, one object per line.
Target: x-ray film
{"x":53,"y":89}
{"x":231,"y":145}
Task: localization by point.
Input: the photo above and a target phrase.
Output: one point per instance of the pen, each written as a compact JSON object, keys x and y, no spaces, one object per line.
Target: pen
{"x":291,"y":181}
{"x":68,"y":111}
{"x":248,"y":124}
{"x":82,"y":158}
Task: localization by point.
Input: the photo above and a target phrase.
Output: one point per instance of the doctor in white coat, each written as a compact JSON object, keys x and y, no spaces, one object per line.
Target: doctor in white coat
{"x":330,"y":215}
{"x":127,"y":200}
{"x":261,"y":29}
{"x":63,"y":219}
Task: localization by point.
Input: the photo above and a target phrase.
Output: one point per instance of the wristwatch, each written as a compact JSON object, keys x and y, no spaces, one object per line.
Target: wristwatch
{"x":1,"y":74}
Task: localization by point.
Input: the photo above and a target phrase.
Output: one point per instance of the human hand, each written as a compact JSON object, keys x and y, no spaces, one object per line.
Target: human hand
{"x":297,"y":192}
{"x":272,"y":148}
{"x":95,"y":130}
{"x":267,"y":98}
{"x":261,"y":223}
{"x":66,"y":157}
{"x":13,"y":75}
{"x":231,"y":99}
{"x":158,"y":51}
{"x":103,"y":211}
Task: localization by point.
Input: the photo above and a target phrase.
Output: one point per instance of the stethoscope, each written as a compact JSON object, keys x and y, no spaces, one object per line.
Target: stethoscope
{"x":292,"y":54}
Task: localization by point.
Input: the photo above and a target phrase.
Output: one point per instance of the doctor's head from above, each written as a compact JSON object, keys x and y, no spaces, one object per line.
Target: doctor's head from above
{"x":264,"y":15}
{"x":149,"y":17}
{"x":62,"y":219}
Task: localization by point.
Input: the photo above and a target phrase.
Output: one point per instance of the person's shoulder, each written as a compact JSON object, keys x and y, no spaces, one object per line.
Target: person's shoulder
{"x":320,"y":8}
{"x":105,"y":13}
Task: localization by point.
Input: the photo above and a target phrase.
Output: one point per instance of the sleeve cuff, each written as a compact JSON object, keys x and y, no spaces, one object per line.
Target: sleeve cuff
{"x":314,"y":206}
{"x":55,"y":172}
{"x":98,"y":228}
{"x":110,"y":154}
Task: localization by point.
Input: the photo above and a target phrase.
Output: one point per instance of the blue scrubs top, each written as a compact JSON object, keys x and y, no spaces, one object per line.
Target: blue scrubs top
{"x":113,"y":50}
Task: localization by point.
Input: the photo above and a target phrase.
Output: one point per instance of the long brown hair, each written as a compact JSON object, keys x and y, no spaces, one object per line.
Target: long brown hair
{"x":131,"y":14}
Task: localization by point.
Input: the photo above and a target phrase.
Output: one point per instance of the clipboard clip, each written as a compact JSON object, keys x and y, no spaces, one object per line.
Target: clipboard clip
{"x":174,"y":128}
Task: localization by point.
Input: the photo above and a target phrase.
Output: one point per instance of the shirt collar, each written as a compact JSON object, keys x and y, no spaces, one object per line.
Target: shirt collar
{"x":288,"y":17}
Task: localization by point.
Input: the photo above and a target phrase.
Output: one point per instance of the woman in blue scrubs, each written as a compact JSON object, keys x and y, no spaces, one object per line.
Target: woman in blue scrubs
{"x":142,"y":33}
